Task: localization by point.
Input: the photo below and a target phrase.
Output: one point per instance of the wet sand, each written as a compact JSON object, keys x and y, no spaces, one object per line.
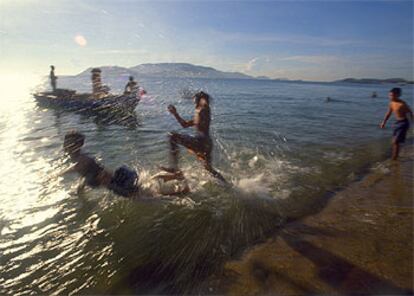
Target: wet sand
{"x":360,"y":243}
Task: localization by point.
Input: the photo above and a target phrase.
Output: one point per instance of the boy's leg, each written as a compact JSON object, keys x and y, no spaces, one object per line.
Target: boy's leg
{"x":214,"y":173}
{"x":174,"y":151}
{"x":195,"y":145}
{"x":175,"y":140}
{"x":395,"y":149}
{"x":207,"y":165}
{"x":400,"y":133}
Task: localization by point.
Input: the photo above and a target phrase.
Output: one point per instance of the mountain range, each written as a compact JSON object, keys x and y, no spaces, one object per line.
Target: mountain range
{"x":376,"y":81}
{"x":185,"y":70}
{"x":168,"y":70}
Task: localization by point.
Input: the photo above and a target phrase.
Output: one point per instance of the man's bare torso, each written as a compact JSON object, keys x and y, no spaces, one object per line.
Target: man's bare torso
{"x":202,"y":120}
{"x":400,"y":109}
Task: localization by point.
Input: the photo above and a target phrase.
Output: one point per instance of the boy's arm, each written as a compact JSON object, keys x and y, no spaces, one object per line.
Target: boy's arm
{"x":70,"y":169}
{"x":409,"y":111}
{"x":184,"y":123}
{"x":387,"y":116}
{"x":81,"y":185}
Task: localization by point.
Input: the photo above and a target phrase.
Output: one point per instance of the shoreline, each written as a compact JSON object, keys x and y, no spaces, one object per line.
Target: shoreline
{"x":361,"y":242}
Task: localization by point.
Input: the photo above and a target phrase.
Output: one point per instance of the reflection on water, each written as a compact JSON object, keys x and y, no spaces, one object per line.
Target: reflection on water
{"x":281,"y":148}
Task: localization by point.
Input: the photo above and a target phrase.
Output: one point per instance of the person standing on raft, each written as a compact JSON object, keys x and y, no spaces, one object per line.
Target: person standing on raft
{"x":131,"y":86}
{"x":53,"y":78}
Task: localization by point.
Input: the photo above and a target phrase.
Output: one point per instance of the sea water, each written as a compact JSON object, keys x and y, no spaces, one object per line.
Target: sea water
{"x":283,"y":147}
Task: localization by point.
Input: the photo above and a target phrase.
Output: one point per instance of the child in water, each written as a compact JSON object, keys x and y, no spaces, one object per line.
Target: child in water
{"x":124,"y":181}
{"x":401,"y":111}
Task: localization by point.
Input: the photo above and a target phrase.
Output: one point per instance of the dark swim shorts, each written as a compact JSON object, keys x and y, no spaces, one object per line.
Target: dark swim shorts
{"x":400,"y":130}
{"x":200,"y":145}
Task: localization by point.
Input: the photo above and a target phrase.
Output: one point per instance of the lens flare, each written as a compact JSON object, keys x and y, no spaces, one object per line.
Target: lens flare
{"x":80,"y":40}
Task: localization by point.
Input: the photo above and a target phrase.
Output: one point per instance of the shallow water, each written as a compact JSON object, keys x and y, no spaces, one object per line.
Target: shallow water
{"x":281,"y":144}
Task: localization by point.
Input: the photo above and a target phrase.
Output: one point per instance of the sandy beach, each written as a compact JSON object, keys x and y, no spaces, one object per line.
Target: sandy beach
{"x":360,"y":243}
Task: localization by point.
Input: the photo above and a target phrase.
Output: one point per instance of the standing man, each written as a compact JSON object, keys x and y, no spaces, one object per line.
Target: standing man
{"x":131,"y":86}
{"x":200,"y":144}
{"x":53,"y":78}
{"x":99,"y":90}
{"x":402,"y":124}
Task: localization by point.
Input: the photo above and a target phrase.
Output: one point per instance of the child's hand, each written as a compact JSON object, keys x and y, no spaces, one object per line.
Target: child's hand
{"x":172,"y":109}
{"x":382,"y":125}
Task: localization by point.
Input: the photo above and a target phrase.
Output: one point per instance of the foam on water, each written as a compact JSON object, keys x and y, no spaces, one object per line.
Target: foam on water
{"x":263,"y":176}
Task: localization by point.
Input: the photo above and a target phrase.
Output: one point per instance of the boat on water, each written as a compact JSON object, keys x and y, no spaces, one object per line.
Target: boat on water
{"x":100,"y":102}
{"x":87,"y":103}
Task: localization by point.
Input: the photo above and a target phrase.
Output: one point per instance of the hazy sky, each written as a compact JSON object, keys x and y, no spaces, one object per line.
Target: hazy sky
{"x":311,"y":40}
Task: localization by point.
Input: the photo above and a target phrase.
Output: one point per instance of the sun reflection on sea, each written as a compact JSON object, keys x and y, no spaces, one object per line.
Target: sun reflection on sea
{"x":15,"y":87}
{"x":32,"y":200}
{"x":22,"y":171}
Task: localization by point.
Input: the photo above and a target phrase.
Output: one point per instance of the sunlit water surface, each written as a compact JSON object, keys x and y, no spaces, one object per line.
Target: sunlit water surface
{"x":282,"y":146}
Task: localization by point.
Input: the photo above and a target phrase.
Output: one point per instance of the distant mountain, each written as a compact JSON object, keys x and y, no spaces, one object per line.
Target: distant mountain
{"x":376,"y":81}
{"x":108,"y":71}
{"x":263,"y":78}
{"x":167,"y":70}
{"x":183,"y":70}
{"x":116,"y":77}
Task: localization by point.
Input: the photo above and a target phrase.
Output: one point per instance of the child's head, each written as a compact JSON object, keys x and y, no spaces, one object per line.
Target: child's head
{"x":73,"y":142}
{"x":395,"y":93}
{"x":201,"y":96}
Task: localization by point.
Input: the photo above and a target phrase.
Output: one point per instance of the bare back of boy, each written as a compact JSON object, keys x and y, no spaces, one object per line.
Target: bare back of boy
{"x":400,"y":109}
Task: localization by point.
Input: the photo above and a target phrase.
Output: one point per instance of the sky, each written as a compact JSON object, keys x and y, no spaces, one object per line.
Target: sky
{"x":308,"y":40}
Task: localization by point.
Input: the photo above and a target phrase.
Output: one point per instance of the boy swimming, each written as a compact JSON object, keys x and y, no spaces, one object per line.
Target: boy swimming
{"x":123,"y":181}
{"x":402,"y":124}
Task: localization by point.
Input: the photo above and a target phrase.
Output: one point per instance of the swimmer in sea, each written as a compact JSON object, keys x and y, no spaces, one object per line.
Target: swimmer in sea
{"x":200,"y":144}
{"x":124,"y":181}
{"x":401,"y":110}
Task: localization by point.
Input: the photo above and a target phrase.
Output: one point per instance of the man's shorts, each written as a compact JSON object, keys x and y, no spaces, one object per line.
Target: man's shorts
{"x":199,"y":145}
{"x":400,"y":130}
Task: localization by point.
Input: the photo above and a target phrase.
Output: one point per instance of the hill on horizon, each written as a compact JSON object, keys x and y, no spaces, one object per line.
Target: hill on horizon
{"x":375,"y":80}
{"x":186,"y":70}
{"x":167,"y":70}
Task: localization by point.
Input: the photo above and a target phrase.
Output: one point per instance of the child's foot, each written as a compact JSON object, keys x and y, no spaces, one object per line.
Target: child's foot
{"x":174,"y":174}
{"x":169,"y":170}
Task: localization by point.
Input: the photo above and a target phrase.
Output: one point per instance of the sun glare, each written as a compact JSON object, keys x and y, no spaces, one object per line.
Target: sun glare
{"x":14,"y":88}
